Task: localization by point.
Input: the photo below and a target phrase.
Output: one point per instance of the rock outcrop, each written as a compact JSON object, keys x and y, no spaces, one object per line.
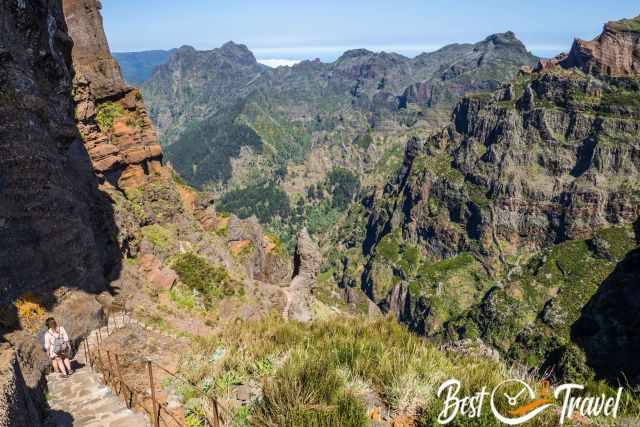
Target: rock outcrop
{"x":17,"y":408}
{"x":616,"y":52}
{"x":261,"y":256}
{"x":111,"y":116}
{"x":306,"y":266}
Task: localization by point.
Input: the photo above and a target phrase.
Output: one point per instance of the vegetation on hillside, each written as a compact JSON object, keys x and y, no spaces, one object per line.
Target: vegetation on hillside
{"x":210,"y":282}
{"x":204,"y":150}
{"x":266,"y":201}
{"x":343,"y":186}
{"x":107,"y":113}
{"x":341,"y":373}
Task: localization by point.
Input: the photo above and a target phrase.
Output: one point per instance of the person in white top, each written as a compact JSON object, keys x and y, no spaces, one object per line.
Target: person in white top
{"x":56,"y":342}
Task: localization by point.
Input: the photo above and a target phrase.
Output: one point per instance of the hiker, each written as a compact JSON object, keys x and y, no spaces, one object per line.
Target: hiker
{"x":56,"y":342}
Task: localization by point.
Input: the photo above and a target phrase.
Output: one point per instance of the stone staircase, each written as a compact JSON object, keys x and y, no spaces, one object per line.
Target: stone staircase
{"x":83,"y":401}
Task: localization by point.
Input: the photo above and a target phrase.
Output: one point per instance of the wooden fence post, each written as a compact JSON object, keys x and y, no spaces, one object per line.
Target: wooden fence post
{"x":84,"y":347}
{"x":155,"y":411}
{"x":110,"y":368}
{"x":119,"y":373}
{"x":88,"y":350}
{"x":216,"y":415}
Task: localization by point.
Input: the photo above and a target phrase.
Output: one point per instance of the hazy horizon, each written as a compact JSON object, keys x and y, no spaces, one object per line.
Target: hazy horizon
{"x":292,"y":55}
{"x":287,"y":30}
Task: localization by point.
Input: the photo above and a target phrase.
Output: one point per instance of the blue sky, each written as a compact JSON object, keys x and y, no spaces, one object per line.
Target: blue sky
{"x":288,"y":29}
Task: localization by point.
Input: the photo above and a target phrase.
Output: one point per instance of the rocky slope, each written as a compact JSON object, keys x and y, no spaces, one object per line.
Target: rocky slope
{"x":505,"y":224}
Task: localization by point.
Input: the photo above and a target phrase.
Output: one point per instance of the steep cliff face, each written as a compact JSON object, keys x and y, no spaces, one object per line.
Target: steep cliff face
{"x":111,"y":116}
{"x":55,"y":227}
{"x":616,"y":52}
{"x":505,"y":224}
{"x":57,"y":231}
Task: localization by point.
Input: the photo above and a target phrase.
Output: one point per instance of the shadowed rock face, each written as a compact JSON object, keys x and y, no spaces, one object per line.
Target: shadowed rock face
{"x":57,"y":231}
{"x":608,"y":327}
{"x":55,"y":227}
{"x":16,"y":406}
{"x":111,"y":116}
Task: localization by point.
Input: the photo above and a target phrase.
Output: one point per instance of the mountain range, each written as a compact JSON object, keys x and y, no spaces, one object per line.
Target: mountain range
{"x":208,"y":105}
{"x":139,"y":66}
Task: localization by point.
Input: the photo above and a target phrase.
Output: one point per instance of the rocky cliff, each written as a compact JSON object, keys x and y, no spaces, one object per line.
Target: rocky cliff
{"x":616,"y":52}
{"x":111,"y":116}
{"x":505,"y":224}
{"x":56,"y":228}
{"x":17,"y":408}
{"x":58,"y":237}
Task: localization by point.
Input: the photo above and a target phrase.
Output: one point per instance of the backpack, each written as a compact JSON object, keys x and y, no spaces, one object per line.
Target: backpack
{"x":58,"y":345}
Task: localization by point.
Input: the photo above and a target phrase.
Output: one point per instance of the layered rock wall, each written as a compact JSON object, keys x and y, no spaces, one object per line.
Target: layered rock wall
{"x":111,"y":116}
{"x":616,"y":52}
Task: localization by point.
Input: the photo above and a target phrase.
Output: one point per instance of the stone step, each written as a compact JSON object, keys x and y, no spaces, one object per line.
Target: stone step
{"x":83,"y":401}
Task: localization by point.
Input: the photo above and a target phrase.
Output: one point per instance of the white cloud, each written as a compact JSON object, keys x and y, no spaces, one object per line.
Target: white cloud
{"x":274,"y":63}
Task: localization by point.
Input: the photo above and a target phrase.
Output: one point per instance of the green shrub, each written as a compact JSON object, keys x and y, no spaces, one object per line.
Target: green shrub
{"x":308,"y":392}
{"x":158,"y":235}
{"x":265,"y":201}
{"x":196,"y":273}
{"x":107,"y":114}
{"x":363,"y":141}
{"x":343,"y":185}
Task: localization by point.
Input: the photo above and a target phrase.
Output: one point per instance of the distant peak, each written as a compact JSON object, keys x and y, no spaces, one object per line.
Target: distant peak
{"x":239,"y":52}
{"x":356,"y":53}
{"x":186,"y":48}
{"x":231,"y":45}
{"x":503,"y":38}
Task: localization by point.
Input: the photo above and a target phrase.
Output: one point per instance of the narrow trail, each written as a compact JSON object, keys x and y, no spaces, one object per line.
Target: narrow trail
{"x":83,"y":401}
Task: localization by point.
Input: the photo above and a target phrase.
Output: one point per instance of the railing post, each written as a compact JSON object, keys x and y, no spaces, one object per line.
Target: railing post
{"x":101,"y":364}
{"x":155,"y":411}
{"x":119,"y":373}
{"x":216,"y":415}
{"x":88,"y":350}
{"x":110,"y":369}
{"x":84,"y":347}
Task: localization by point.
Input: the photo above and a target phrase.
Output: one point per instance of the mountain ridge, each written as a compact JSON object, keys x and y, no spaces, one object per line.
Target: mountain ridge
{"x":360,"y":90}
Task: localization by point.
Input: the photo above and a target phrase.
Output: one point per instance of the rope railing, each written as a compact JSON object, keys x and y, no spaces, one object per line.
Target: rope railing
{"x":110,"y":368}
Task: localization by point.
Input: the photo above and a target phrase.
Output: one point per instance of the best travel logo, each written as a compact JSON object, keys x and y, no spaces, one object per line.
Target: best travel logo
{"x":514,"y":402}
